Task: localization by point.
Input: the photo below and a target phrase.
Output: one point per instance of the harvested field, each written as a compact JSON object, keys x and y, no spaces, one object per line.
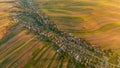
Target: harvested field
{"x":4,"y":17}
{"x":96,"y":21}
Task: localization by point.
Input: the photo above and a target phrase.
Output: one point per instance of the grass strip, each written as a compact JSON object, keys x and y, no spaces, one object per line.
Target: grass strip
{"x":49,"y":65}
{"x":61,"y":63}
{"x":32,"y":61}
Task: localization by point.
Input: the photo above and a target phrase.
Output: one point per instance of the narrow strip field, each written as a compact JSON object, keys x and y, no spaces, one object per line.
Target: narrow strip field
{"x":24,"y":51}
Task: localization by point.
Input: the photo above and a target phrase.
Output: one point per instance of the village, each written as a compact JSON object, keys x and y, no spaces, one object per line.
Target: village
{"x":40,"y":25}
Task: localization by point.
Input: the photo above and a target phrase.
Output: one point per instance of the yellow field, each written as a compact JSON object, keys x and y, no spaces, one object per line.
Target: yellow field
{"x":97,"y":21}
{"x":4,"y":17}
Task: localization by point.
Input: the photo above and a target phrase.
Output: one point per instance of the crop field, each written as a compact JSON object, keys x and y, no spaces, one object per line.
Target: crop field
{"x":4,"y":17}
{"x":97,"y":21}
{"x":26,"y":51}
{"x":23,"y":51}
